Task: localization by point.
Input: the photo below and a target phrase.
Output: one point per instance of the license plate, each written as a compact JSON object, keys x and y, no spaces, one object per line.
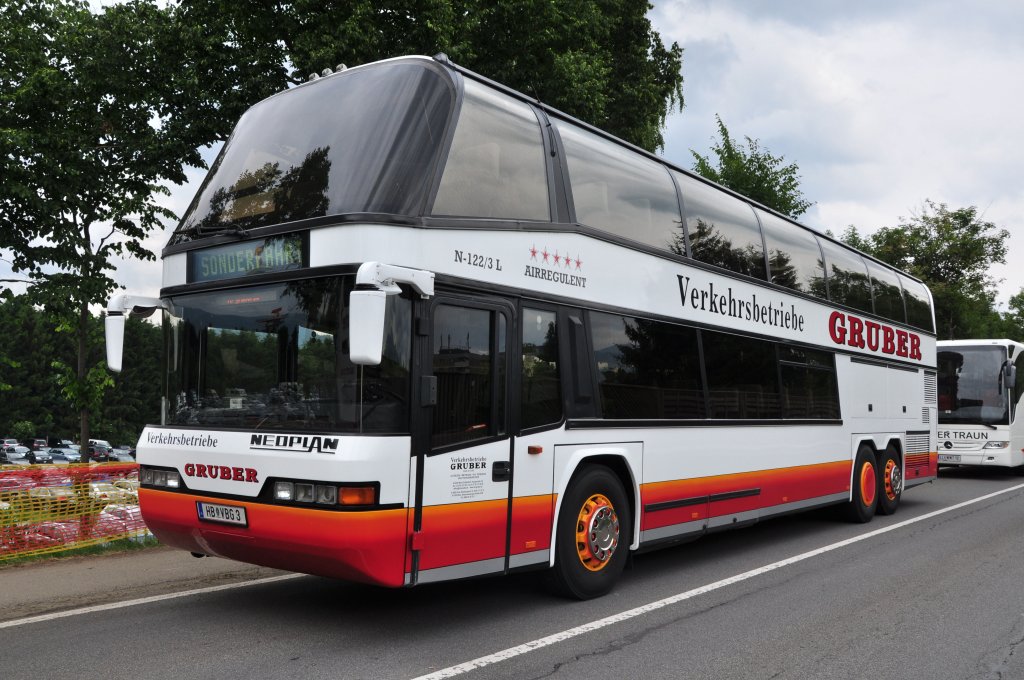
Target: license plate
{"x":949,"y":457}
{"x":226,"y":514}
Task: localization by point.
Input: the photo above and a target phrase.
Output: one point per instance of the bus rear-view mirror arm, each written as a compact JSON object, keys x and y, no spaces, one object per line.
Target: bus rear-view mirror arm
{"x":374,"y":282}
{"x":118,"y":309}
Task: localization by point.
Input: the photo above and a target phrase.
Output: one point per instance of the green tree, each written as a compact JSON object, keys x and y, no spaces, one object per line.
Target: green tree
{"x":951,"y":250}
{"x":95,"y":119}
{"x":31,"y":345}
{"x":598,"y":60}
{"x":23,"y":431}
{"x":753,"y":172}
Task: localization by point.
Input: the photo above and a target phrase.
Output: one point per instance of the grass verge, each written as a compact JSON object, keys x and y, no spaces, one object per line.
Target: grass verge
{"x":121,"y":545}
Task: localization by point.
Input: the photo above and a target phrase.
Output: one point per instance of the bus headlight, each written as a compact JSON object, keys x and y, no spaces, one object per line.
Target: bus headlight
{"x":284,"y":491}
{"x":996,"y":445}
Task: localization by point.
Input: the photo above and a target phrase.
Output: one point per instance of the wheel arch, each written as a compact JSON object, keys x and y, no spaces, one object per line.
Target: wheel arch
{"x":624,"y":460}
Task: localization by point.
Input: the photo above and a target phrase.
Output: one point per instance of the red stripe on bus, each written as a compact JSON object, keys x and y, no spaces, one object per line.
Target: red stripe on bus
{"x":463,"y":532}
{"x":776,"y":487}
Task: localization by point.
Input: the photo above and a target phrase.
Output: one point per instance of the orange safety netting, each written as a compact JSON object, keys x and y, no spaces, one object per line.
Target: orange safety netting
{"x":51,"y":508}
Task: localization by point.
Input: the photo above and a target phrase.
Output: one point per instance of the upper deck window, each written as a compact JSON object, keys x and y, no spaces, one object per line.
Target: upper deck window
{"x":848,"y":282}
{"x":919,"y":310}
{"x":365,"y":140}
{"x":620,"y":191}
{"x":722,"y":229}
{"x":793,"y":255}
{"x":887,"y":292}
{"x":496,"y":164}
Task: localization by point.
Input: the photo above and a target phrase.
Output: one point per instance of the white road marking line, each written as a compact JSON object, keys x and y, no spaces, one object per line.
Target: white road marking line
{"x":540,"y":643}
{"x":143,"y":600}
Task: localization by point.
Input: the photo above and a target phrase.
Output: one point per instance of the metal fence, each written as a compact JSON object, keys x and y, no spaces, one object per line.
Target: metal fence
{"x":52,"y":508}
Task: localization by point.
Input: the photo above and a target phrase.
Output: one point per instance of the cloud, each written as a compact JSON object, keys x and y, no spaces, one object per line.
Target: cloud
{"x":881,"y":106}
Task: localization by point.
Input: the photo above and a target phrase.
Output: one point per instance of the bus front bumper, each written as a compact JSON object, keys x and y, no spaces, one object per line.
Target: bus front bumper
{"x":364,"y":546}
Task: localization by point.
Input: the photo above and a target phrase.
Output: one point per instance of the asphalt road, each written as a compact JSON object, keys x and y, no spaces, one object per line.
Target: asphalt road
{"x":940,"y":597}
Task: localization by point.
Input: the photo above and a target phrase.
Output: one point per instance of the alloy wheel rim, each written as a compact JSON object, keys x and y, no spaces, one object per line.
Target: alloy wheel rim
{"x":597,"y":532}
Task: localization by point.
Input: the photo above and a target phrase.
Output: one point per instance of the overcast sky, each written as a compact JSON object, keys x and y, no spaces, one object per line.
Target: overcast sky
{"x":881,"y":104}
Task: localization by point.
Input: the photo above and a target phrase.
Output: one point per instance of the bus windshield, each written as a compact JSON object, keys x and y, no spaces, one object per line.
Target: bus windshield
{"x":970,"y":384}
{"x":276,"y":358}
{"x":360,"y":141}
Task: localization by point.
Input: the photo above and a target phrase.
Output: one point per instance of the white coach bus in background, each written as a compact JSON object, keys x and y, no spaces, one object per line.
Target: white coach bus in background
{"x":421,"y":327}
{"x":981,"y":384}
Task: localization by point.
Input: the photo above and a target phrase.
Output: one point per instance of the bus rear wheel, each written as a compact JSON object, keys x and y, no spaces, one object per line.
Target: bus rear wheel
{"x":592,"y":537}
{"x":890,"y":482}
{"x":864,"y":502}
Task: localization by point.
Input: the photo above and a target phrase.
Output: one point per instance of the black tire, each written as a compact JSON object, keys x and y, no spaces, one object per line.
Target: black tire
{"x":890,"y":481}
{"x":589,"y":568}
{"x":864,"y":501}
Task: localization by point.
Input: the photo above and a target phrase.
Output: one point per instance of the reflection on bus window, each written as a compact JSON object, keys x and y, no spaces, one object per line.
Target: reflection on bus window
{"x":743,"y":382}
{"x":794,"y":258}
{"x":970,"y":384}
{"x":809,"y":387}
{"x":646,"y":369}
{"x":847,"y":274}
{"x":915,"y":297}
{"x":470,"y":376}
{"x":541,"y":389}
{"x":619,"y":191}
{"x":888,"y":295}
{"x":721,"y":228}
{"x":496,"y":165}
{"x":276,"y":357}
{"x":359,"y":141}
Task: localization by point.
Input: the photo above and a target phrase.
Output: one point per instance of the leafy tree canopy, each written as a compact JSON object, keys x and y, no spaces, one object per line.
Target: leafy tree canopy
{"x":753,"y":172}
{"x":94,"y":120}
{"x":952,"y":250}
{"x":598,"y":60}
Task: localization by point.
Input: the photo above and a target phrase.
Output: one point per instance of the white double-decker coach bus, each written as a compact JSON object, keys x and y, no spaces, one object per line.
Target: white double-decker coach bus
{"x":981,"y":385}
{"x":421,"y":327}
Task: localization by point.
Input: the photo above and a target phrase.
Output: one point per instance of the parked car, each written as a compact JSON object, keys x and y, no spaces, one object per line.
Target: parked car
{"x":126,"y":449}
{"x":130,"y":486}
{"x":37,"y":444}
{"x":105,"y":492}
{"x":14,"y":455}
{"x":39,"y":457}
{"x":63,"y":456}
{"x":9,"y":441}
{"x":121,"y":456}
{"x":99,"y":454}
{"x":55,"y":499}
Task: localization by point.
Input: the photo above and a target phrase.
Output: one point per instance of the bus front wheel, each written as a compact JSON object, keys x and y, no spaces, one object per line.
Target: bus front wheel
{"x":864,"y":502}
{"x":593,"y":535}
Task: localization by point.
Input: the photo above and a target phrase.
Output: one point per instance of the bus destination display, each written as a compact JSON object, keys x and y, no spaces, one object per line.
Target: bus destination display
{"x":237,"y":260}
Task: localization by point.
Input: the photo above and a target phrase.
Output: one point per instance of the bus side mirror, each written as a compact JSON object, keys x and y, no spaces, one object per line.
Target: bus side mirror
{"x":366,"y":326}
{"x":118,"y":308}
{"x":114,"y":327}
{"x":1009,"y":374}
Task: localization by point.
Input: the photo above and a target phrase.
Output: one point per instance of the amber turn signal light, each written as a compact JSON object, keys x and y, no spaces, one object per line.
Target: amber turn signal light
{"x":356,"y":495}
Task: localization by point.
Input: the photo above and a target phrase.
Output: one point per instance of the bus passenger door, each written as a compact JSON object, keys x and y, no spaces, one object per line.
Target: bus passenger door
{"x":541,"y":419}
{"x":463,"y":449}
